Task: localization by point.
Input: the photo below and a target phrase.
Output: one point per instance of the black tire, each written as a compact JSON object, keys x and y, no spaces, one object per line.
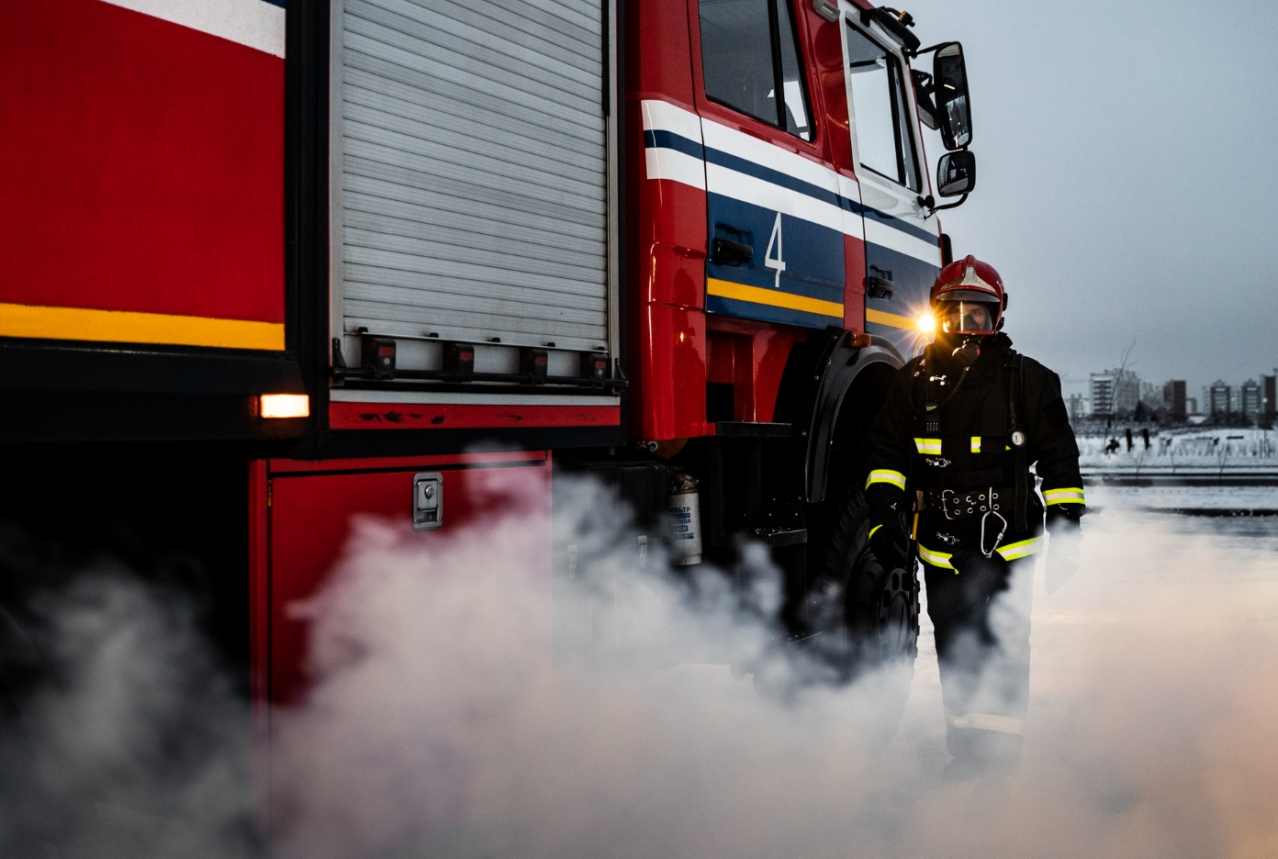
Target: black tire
{"x":872,"y":612}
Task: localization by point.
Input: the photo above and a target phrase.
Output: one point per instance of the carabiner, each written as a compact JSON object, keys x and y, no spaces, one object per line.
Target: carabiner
{"x":997,"y":540}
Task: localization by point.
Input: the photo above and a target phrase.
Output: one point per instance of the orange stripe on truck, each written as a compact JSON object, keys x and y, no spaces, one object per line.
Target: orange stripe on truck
{"x":126,"y":326}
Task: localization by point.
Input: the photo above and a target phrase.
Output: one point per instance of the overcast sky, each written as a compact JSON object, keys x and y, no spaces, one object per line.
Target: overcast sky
{"x":1127,"y":161}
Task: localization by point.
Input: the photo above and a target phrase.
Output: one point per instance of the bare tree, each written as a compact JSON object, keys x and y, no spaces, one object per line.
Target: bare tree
{"x":1122,"y":380}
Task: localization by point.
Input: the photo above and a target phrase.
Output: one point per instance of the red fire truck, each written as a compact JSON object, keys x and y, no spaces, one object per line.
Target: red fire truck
{"x":268,"y":268}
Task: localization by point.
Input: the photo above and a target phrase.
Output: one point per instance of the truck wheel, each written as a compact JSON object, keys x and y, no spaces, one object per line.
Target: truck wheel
{"x":878,"y":608}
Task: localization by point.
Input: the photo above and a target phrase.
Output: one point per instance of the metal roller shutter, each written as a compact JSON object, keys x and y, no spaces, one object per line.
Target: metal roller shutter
{"x":471,"y":171}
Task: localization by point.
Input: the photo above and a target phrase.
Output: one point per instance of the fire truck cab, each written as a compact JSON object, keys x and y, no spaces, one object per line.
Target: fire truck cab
{"x":271,"y":267}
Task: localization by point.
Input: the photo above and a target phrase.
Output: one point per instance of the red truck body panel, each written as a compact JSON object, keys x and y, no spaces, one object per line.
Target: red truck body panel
{"x":143,"y":171}
{"x":310,"y":510}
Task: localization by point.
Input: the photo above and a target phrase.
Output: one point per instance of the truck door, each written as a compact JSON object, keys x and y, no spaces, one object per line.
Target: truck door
{"x":776,"y":221}
{"x":902,"y":242}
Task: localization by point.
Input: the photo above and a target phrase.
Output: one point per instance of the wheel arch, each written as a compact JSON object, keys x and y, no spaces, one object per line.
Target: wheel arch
{"x":833,"y":391}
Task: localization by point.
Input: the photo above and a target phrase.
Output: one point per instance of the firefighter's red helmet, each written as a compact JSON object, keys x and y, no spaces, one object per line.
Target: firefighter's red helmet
{"x":970,"y":281}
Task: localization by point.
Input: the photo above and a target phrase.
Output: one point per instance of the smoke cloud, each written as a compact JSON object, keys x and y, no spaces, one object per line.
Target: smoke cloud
{"x":465,"y":702}
{"x":130,"y":740}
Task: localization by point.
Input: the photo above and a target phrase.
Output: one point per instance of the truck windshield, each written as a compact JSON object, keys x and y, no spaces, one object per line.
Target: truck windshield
{"x":884,"y":142}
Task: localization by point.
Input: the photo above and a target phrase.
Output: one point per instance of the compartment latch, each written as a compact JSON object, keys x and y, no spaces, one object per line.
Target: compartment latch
{"x":428,"y":501}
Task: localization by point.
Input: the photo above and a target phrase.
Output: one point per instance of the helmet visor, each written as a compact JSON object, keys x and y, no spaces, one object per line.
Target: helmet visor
{"x":967,"y":317}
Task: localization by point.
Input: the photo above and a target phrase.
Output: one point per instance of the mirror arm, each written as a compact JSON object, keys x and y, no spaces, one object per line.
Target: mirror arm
{"x":961,"y":200}
{"x":931,"y":48}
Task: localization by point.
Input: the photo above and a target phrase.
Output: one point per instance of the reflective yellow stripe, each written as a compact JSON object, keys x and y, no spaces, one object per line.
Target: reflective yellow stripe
{"x":1069,"y":495}
{"x":936,"y":559}
{"x":976,"y":444}
{"x":870,"y":535}
{"x":127,"y":326}
{"x":1012,"y":551}
{"x":986,"y":722}
{"x":885,"y":475}
{"x":892,"y":319}
{"x":928,"y":446}
{"x":773,"y":298}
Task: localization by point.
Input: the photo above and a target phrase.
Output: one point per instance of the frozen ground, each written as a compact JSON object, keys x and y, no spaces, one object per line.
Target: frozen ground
{"x":1200,"y":452}
{"x":1202,"y":500}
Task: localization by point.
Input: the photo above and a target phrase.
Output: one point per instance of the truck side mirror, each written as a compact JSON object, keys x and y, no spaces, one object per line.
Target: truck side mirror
{"x":956,"y":173}
{"x":953,"y":109}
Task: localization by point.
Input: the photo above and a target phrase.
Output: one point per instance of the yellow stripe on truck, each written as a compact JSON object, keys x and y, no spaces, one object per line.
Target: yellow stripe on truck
{"x":772,"y":298}
{"x":891,"y":319}
{"x":126,"y":326}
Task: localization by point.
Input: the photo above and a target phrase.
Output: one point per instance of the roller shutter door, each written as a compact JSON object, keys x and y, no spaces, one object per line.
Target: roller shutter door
{"x":471,"y":171}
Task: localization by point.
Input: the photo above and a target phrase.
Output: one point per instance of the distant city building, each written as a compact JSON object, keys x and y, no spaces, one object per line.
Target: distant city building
{"x":1150,"y":397}
{"x":1175,"y":401}
{"x":1079,"y":407}
{"x":1102,"y":391}
{"x":1269,"y":402}
{"x":1115,"y":392}
{"x":1191,"y":406}
{"x":1219,"y":397}
{"x":1249,"y":400}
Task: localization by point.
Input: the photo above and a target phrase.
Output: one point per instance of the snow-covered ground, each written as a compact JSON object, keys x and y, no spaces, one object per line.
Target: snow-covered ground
{"x":1241,"y":500}
{"x":1191,"y":452}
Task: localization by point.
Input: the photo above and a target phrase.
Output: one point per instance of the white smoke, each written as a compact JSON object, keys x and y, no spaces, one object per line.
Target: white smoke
{"x":132,"y":743}
{"x":442,"y":722}
{"x":464,"y":702}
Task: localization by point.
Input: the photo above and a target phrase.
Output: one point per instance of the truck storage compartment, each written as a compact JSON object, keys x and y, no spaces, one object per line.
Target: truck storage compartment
{"x":472,"y":185}
{"x":305,"y":512}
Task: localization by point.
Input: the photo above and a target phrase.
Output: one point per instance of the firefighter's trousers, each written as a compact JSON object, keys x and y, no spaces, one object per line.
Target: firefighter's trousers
{"x":980,"y":608}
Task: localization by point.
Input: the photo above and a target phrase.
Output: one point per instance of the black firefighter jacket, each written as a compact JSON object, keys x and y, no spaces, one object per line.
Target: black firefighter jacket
{"x":964,"y":445}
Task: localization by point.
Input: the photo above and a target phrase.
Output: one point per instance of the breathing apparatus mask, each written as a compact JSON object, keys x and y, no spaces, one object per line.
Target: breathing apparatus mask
{"x":964,"y":323}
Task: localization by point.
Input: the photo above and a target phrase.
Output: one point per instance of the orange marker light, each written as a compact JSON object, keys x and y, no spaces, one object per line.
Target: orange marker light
{"x":284,"y":406}
{"x":926,"y":323}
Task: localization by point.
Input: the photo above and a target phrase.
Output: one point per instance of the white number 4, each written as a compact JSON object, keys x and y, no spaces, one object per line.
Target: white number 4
{"x":775,"y":262}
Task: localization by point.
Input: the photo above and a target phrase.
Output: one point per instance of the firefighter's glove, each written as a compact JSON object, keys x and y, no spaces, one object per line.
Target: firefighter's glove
{"x":888,"y":539}
{"x":1063,"y":548}
{"x":890,"y":544}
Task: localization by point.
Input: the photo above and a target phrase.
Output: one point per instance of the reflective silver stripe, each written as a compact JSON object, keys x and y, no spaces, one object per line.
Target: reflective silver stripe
{"x":885,"y":475}
{"x":936,"y":559}
{"x":1012,"y":551}
{"x":976,"y":444}
{"x":987,"y":722}
{"x":928,"y":446}
{"x":1069,"y":495}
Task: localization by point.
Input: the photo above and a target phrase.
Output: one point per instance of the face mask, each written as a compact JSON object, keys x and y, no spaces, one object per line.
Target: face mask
{"x":967,"y":317}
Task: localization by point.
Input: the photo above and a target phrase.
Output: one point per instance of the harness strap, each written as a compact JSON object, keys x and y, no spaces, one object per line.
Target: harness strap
{"x":1016,"y":391}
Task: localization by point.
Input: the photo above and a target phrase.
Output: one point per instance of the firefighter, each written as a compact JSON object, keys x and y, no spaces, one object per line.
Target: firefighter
{"x":950,"y":457}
